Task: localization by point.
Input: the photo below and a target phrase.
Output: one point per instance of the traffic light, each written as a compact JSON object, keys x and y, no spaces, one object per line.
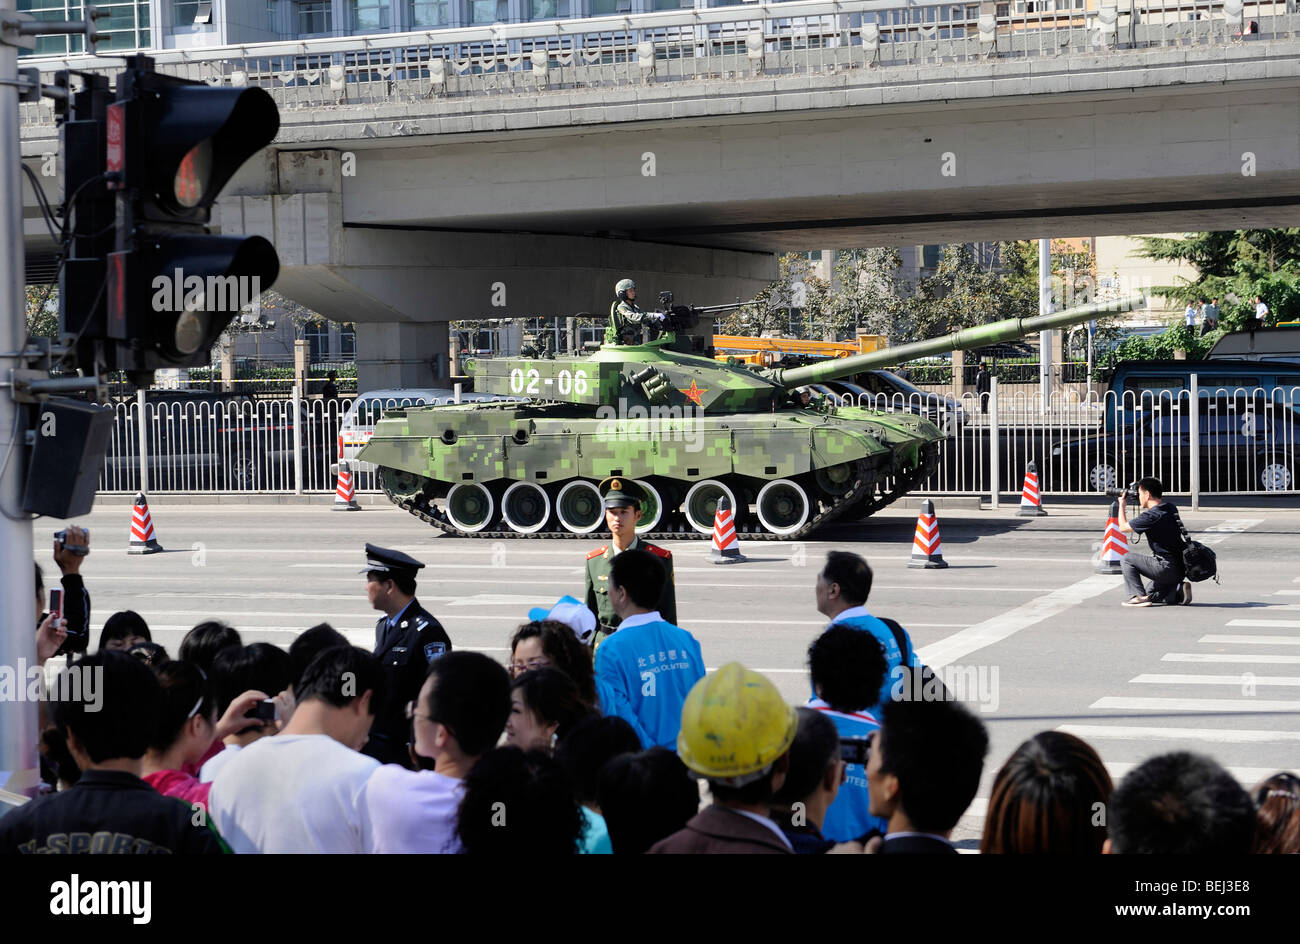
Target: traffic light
{"x":168,"y":287}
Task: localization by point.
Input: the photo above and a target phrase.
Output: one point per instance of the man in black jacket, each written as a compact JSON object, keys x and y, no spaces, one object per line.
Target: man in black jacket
{"x":1164,"y":565}
{"x":923,"y":770}
{"x":407,"y":640}
{"x":104,"y":705}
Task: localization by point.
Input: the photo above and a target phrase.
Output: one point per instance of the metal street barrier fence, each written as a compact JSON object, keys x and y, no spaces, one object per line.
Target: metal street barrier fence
{"x":801,"y":37}
{"x":1246,"y":441}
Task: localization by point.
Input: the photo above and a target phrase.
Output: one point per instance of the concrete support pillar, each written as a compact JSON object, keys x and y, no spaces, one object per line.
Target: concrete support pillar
{"x":393,"y":354}
{"x":958,"y":374}
{"x":301,"y":352}
{"x":228,"y":366}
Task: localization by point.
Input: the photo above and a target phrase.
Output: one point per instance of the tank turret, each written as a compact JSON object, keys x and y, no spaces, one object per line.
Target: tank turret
{"x":687,"y":428}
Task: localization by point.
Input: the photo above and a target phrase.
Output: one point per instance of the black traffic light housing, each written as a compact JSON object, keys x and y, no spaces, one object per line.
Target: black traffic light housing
{"x":167,"y":288}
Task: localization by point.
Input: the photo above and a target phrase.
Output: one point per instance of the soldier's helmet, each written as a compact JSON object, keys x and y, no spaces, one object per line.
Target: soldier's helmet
{"x":621,"y":288}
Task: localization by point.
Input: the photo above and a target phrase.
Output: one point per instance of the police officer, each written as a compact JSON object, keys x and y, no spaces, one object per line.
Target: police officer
{"x":407,"y":639}
{"x":623,"y":499}
{"x":625,"y":318}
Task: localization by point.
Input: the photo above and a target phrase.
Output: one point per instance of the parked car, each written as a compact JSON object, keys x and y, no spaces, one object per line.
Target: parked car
{"x":1246,"y":443}
{"x":888,"y":391}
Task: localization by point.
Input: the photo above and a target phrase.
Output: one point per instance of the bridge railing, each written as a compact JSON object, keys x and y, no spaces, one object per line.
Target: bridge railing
{"x":802,"y":37}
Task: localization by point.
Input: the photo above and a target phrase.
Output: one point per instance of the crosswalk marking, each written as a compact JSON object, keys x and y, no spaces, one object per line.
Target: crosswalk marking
{"x":1251,"y":640}
{"x":1276,"y":624}
{"x":1260,"y":659}
{"x":1195,"y":704}
{"x":1129,"y":732}
{"x":1239,"y":680}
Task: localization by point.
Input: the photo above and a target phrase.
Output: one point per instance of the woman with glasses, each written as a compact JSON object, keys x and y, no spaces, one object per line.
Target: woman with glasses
{"x":1277,"y":822}
{"x":552,"y":644}
{"x":544,"y":706}
{"x":186,"y":727}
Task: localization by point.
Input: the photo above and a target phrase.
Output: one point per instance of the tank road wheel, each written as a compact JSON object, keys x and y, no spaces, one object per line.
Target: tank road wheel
{"x":835,"y":480}
{"x":579,"y":507}
{"x":400,"y":483}
{"x":470,"y":507}
{"x":526,"y":507}
{"x":702,"y":504}
{"x":652,"y":509}
{"x":783,"y":506}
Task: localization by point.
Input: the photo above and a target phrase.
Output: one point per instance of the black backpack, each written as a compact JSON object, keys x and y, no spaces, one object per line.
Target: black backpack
{"x":1199,"y":562}
{"x":927,"y":673}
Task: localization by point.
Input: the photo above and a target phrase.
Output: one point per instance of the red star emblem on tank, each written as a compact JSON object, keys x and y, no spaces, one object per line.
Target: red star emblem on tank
{"x":694,"y":393}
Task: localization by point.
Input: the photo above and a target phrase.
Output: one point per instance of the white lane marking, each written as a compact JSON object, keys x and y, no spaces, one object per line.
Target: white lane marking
{"x":479,"y":567}
{"x":1290,"y":681}
{"x":1279,"y":624}
{"x":1093,"y":732}
{"x":1196,"y":704}
{"x":1259,"y":659}
{"x":1230,"y":528}
{"x":1286,"y":593}
{"x":1252,"y":640}
{"x":994,"y":630}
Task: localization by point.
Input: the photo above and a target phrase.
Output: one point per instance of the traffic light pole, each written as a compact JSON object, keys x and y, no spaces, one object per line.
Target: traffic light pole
{"x":18,"y":716}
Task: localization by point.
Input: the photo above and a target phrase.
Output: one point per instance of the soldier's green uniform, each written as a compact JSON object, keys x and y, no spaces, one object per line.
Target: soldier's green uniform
{"x":625,"y":319}
{"x":618,"y":492}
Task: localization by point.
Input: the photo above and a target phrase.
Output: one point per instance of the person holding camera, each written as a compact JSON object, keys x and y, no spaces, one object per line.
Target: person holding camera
{"x":73,"y":601}
{"x":1164,"y":565}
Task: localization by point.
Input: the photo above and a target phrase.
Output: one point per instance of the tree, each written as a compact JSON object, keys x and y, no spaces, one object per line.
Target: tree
{"x":1234,"y":267}
{"x":796,"y":289}
{"x":42,"y":304}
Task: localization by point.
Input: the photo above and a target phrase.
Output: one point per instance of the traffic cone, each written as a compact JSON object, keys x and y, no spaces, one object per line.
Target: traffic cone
{"x":1031,"y":500}
{"x":1114,"y":545}
{"x":345,"y":494}
{"x":142,"y":536}
{"x":726,"y":546}
{"x":927,"y":549}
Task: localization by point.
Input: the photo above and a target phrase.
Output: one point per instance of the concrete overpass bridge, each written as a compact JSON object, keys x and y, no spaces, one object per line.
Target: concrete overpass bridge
{"x":518,"y":170}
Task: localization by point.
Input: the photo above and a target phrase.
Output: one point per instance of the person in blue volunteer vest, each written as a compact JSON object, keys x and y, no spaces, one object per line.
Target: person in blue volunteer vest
{"x":847,"y":668}
{"x":647,"y":668}
{"x":842,"y":590}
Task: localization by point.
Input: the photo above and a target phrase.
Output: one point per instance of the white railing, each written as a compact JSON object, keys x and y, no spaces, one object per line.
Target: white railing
{"x":803,"y":37}
{"x":1247,"y":441}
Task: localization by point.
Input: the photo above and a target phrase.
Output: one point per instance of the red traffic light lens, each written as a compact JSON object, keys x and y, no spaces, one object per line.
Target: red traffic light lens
{"x":193,"y":174}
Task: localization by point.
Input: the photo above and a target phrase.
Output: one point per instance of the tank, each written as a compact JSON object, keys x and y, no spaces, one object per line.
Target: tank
{"x":688,"y":429}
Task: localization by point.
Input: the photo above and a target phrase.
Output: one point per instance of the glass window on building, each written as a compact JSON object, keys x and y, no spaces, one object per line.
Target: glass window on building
{"x":314,"y":16}
{"x":548,"y":9}
{"x":348,"y":342}
{"x":930,"y":256}
{"x":183,"y":12}
{"x":671,"y":4}
{"x":317,"y":334}
{"x":125,"y":26}
{"x":369,"y":15}
{"x":430,"y":13}
{"x":489,"y":11}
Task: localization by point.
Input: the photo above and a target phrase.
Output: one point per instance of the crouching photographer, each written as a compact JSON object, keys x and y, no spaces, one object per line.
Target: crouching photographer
{"x":1164,"y":565}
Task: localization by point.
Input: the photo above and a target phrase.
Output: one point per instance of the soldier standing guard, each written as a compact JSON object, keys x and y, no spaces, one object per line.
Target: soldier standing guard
{"x":407,"y":639}
{"x":623,"y":499}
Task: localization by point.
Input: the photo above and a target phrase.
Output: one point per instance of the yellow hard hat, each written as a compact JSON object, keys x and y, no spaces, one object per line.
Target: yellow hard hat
{"x":735,"y":724}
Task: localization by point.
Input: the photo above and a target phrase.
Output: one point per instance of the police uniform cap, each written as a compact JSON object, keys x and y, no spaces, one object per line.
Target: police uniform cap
{"x":395,"y":563}
{"x":619,"y":492}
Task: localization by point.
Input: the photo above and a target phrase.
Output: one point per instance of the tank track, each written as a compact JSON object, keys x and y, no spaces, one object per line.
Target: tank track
{"x":868,"y":495}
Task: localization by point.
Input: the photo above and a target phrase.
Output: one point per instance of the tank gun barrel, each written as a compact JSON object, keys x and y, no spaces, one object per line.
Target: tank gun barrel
{"x":979,"y":336}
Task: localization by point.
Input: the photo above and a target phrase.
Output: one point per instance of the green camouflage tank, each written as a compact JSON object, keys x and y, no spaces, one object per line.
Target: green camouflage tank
{"x":688,"y":429}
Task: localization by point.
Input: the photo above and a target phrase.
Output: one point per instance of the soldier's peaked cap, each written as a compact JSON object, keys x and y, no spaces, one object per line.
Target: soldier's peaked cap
{"x":619,"y":491}
{"x":386,"y":561}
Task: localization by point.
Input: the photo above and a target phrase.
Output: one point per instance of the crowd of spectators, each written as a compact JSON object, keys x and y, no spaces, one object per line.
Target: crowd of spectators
{"x":630,"y":750}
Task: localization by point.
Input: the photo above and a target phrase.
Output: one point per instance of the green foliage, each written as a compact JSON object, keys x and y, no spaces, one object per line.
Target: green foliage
{"x":796,"y":298}
{"x":1235,"y":266}
{"x":42,"y":316}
